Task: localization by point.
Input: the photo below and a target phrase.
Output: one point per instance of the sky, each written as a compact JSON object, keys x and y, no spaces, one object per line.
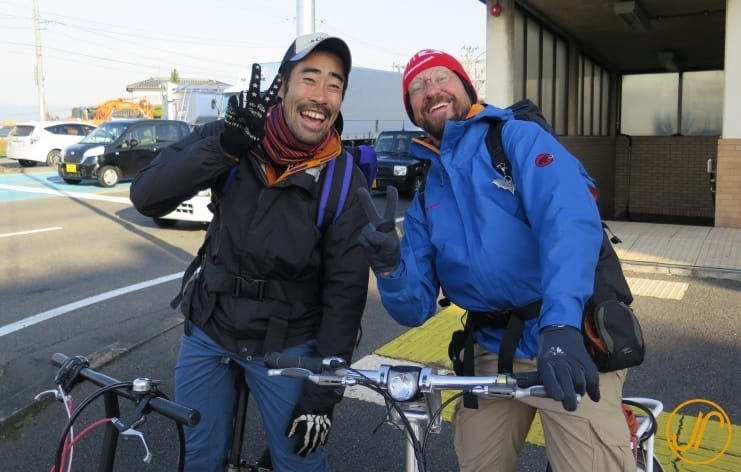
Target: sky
{"x":91,"y":50}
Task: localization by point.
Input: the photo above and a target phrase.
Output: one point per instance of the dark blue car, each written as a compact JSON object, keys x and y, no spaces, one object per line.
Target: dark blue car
{"x":395,"y":166}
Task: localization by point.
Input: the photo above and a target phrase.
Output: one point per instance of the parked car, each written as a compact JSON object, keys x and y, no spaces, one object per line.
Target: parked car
{"x":4,"y":132}
{"x":36,"y":142}
{"x":194,"y":210}
{"x":118,"y":149}
{"x":395,"y":166}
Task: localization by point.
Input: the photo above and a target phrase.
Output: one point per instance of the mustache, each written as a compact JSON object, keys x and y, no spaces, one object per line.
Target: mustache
{"x":431,"y":102}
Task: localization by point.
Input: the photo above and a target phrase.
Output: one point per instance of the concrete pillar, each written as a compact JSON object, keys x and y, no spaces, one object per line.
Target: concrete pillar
{"x":728,"y":167}
{"x":499,"y":49}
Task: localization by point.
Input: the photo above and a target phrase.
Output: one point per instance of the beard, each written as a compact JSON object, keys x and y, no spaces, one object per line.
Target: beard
{"x":435,"y":125}
{"x":434,"y":128}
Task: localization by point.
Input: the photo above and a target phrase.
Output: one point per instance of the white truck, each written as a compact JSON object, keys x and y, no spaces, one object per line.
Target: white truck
{"x":372,"y":104}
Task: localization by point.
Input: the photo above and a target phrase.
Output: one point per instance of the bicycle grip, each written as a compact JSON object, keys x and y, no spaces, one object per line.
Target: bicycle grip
{"x":527,"y":379}
{"x":277,"y":360}
{"x":180,"y":413}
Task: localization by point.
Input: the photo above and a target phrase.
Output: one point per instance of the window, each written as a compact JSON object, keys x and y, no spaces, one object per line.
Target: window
{"x":540,"y":59}
{"x":649,"y":104}
{"x":84,"y":130}
{"x":593,"y":87}
{"x":702,"y":103}
{"x":169,"y":133}
{"x":22,"y":130}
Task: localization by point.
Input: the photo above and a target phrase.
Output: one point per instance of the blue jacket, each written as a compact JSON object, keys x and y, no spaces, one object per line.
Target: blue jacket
{"x":491,"y":247}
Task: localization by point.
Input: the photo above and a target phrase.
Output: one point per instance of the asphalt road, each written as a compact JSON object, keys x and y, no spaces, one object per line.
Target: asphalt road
{"x":102,"y":281}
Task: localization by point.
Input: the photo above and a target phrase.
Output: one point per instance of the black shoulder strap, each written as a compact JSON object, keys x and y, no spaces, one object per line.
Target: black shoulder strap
{"x":499,"y":159}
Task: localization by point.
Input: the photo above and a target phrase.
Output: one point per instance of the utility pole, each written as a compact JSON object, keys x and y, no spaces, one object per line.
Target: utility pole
{"x":304,"y":17}
{"x":39,"y":70}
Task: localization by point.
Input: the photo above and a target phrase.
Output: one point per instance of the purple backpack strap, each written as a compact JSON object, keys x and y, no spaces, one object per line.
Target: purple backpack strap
{"x":330,"y":208}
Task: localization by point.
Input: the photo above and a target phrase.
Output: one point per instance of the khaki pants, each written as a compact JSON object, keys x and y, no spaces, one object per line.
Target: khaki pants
{"x":595,"y":437}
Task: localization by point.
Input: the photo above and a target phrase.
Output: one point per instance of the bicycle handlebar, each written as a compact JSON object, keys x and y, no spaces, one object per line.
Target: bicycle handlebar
{"x":277,"y":360}
{"x":333,"y":371}
{"x":168,"y":408}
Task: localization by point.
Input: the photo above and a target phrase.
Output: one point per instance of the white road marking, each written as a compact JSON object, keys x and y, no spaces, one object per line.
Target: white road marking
{"x":53,"y":313}
{"x":62,"y":193}
{"x":657,"y":288}
{"x":30,"y":231}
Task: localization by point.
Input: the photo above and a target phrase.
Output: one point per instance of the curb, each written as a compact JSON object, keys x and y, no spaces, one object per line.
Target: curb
{"x":681,"y":270}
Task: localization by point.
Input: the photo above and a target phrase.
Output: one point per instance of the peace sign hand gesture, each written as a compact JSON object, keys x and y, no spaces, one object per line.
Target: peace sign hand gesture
{"x":244,"y":121}
{"x":379,"y":237}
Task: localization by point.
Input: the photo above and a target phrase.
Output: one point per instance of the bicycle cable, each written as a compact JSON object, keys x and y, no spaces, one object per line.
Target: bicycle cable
{"x":437,"y":413}
{"x":416,"y":444}
{"x":70,"y":421}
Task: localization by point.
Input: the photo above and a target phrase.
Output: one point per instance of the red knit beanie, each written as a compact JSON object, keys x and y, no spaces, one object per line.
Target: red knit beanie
{"x":425,"y":59}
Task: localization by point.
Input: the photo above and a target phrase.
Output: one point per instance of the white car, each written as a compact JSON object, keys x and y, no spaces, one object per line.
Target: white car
{"x":36,"y":142}
{"x":194,"y":210}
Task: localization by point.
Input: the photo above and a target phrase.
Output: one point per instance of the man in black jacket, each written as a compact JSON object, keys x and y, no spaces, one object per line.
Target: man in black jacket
{"x":270,"y":279}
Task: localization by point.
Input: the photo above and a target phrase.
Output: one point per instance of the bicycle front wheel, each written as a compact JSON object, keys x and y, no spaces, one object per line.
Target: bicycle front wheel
{"x":642,"y":462}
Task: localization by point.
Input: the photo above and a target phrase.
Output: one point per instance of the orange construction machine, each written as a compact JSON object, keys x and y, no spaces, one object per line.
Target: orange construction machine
{"x":123,"y":108}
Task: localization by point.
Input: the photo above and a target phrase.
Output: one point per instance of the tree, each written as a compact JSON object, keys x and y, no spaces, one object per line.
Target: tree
{"x":174,"y":76}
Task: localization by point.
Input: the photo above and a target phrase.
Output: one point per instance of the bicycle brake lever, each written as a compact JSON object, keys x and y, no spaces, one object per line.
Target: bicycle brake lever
{"x":326,"y":380}
{"x":55,"y":393}
{"x":292,"y":372}
{"x":140,"y":435}
{"x":136,"y":418}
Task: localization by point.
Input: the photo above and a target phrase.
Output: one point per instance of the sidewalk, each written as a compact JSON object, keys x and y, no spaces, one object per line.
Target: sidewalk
{"x":700,"y":251}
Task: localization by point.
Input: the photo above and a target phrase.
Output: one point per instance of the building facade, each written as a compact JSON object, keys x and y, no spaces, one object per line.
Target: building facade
{"x":631,"y":90}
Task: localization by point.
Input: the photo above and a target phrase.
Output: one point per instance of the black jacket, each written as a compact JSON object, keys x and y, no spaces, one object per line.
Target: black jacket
{"x":319,"y":281}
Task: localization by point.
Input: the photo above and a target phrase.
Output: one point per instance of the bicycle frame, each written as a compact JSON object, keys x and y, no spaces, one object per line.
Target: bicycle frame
{"x":646,"y":423}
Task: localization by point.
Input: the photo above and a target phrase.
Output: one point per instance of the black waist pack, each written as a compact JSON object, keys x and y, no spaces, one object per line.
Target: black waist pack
{"x":613,"y":336}
{"x":611,"y":330}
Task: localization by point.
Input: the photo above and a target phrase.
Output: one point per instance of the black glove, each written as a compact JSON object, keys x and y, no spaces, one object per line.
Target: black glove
{"x":311,"y":420}
{"x":244,"y":121}
{"x":565,"y":367}
{"x":379,"y":237}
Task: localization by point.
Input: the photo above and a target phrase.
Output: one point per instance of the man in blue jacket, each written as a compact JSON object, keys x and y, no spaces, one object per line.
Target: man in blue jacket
{"x":502,"y":248}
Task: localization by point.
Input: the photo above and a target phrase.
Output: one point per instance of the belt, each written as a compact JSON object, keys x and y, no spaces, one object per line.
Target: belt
{"x":219,"y":280}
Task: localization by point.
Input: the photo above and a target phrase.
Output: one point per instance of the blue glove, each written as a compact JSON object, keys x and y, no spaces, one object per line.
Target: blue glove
{"x":565,"y":367}
{"x":244,"y":120}
{"x":379,"y":237}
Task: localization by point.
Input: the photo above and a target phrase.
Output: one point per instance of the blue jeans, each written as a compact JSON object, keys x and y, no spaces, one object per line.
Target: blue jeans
{"x":205,"y":382}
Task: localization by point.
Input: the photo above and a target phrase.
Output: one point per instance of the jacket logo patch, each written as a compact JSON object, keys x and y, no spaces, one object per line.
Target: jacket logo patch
{"x":505,"y":184}
{"x":542,"y":160}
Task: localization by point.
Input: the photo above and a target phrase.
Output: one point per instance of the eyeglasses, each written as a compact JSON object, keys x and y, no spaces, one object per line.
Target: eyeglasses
{"x":419,"y":85}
